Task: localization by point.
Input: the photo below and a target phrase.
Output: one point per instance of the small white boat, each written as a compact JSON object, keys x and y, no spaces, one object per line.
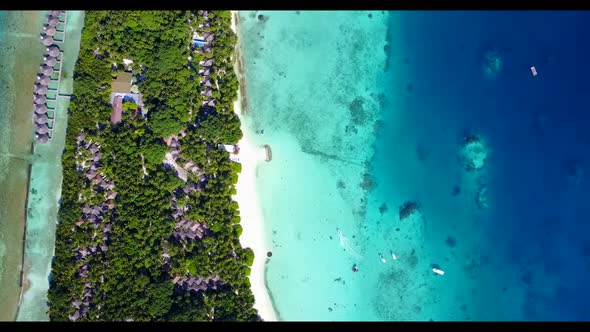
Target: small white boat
{"x":382,"y":259}
{"x":393,"y":255}
{"x":438,"y":271}
{"x":534,"y":70}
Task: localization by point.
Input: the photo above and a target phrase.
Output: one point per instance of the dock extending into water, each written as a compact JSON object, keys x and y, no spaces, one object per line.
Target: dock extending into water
{"x":44,"y":92}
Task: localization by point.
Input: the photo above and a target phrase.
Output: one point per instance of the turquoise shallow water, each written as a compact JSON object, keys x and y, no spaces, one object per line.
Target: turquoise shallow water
{"x":313,"y":87}
{"x":358,"y":128}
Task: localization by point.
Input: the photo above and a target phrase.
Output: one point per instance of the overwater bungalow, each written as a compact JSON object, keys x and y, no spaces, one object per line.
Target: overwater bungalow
{"x":52,"y":22}
{"x":47,"y":40}
{"x":42,"y":138}
{"x":43,"y":80}
{"x":40,"y":118}
{"x":46,"y":70}
{"x":50,"y":61}
{"x":41,"y":129}
{"x":49,"y":31}
{"x":40,"y":109}
{"x":53,"y":51}
{"x":40,"y":100}
{"x":55,"y":13}
{"x":40,"y":90}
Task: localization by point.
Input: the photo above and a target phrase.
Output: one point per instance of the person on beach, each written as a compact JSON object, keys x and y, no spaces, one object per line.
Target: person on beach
{"x":355,"y":268}
{"x":382,"y":258}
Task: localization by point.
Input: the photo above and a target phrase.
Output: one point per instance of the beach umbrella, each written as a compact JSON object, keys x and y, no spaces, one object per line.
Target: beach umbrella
{"x":46,"y":70}
{"x":41,"y":128}
{"x":49,"y":31}
{"x":53,"y":51}
{"x":40,"y":89}
{"x":43,"y":80}
{"x":40,"y":118}
{"x":55,"y":13}
{"x":47,"y":40}
{"x":52,"y":22}
{"x":42,"y":138}
{"x":50,"y":61}
{"x":40,"y":109}
{"x":40,"y":100}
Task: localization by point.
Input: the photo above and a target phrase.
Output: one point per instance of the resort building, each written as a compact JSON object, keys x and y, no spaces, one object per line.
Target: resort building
{"x":120,"y":93}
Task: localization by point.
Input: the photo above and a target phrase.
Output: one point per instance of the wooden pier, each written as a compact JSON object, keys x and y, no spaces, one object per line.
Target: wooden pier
{"x":45,"y":126}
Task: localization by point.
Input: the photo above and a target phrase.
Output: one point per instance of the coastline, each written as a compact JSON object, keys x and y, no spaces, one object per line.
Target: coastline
{"x":253,"y":235}
{"x":45,"y":189}
{"x":20,"y":41}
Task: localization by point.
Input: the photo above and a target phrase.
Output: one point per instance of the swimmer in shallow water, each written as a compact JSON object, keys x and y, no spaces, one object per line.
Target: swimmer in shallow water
{"x":382,"y":258}
{"x":355,"y":268}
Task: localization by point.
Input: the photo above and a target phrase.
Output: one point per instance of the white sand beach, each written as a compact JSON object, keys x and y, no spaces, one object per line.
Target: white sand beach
{"x":250,"y":212}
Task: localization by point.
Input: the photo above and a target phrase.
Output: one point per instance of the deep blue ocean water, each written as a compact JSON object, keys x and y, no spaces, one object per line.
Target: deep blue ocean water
{"x":536,"y":226}
{"x":356,"y":134}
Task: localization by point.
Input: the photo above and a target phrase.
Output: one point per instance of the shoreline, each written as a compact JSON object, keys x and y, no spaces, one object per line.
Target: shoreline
{"x":253,"y":235}
{"x":20,"y":41}
{"x":45,"y":189}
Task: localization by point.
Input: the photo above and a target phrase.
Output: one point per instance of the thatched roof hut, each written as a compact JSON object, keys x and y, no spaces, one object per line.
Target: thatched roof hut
{"x":39,"y":100}
{"x":42,"y":138}
{"x":40,"y":109}
{"x":49,"y":31}
{"x":47,"y":40}
{"x":52,"y":22}
{"x":55,"y":13}
{"x":80,"y":136}
{"x":53,"y":51}
{"x":40,"y":118}
{"x":43,"y":80}
{"x":41,"y":128}
{"x":75,"y":316}
{"x":90,"y":175}
{"x":50,"y":61}
{"x":46,"y":70}
{"x":40,"y":89}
